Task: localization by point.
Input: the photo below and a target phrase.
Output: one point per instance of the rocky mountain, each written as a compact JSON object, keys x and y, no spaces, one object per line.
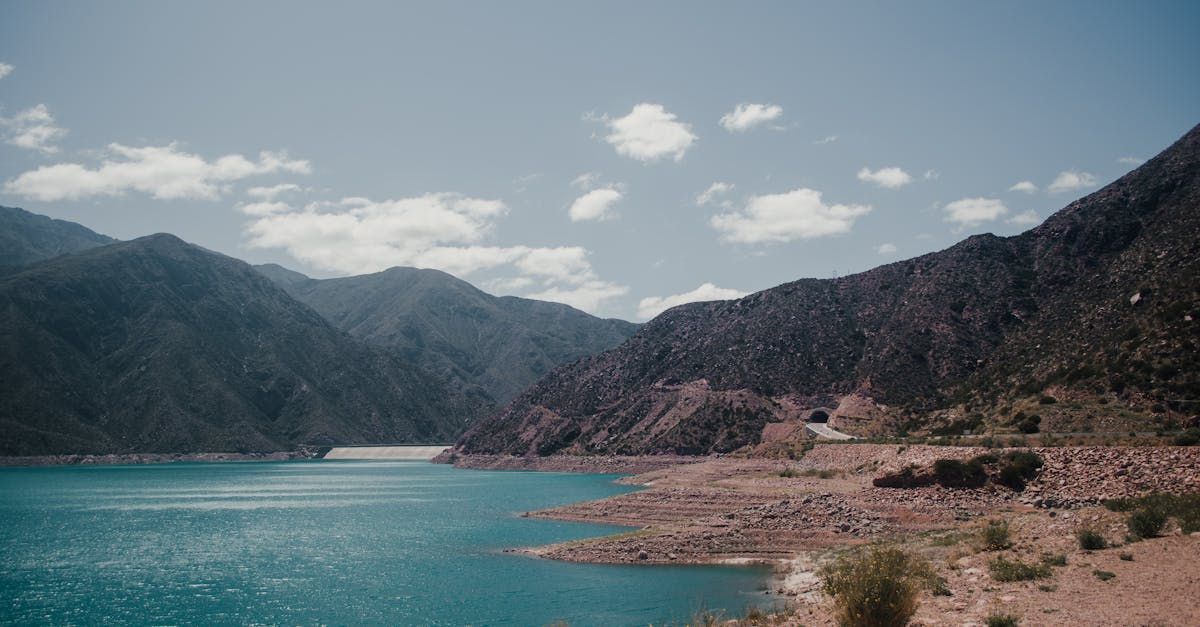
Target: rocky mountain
{"x":1093,"y":313}
{"x":156,"y":345}
{"x":27,"y":237}
{"x":499,"y":345}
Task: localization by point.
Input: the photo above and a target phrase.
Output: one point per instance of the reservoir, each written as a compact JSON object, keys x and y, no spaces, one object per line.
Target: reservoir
{"x":329,"y":542}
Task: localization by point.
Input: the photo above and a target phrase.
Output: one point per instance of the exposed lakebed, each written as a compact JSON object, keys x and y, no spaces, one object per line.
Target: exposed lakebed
{"x":323,"y":542}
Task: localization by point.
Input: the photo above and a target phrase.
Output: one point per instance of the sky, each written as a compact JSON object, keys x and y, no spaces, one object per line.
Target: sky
{"x":620,"y":157}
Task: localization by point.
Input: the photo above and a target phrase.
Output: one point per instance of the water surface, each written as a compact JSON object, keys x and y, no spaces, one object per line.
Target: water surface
{"x":322,"y":542}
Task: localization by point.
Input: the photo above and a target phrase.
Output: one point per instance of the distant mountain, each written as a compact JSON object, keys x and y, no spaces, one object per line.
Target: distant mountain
{"x":500,"y":345}
{"x":1098,"y":303}
{"x":156,"y":345}
{"x":27,"y":238}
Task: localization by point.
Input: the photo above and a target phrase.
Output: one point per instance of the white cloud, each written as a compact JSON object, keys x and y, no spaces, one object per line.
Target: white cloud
{"x":969,"y":212}
{"x":826,"y":140}
{"x":594,"y":205}
{"x":34,"y":129}
{"x":446,"y":231}
{"x":1024,"y":186}
{"x":508,"y":285}
{"x":654,"y":305}
{"x":798,"y":214}
{"x":890,"y":178}
{"x":747,"y":115}
{"x":586,"y":181}
{"x":163,"y":172}
{"x":1025,"y":218}
{"x":1133,"y":161}
{"x":649,"y":133}
{"x":265,"y":208}
{"x":886,"y":249}
{"x":932,"y":175}
{"x":709,"y":195}
{"x":5,"y":69}
{"x":588,"y":296}
{"x":269,"y":193}
{"x":1071,"y":180}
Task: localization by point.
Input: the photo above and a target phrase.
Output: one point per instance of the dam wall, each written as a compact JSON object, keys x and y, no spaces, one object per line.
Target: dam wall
{"x":390,"y":453}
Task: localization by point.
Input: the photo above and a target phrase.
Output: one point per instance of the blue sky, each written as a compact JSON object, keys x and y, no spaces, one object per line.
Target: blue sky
{"x":561,"y":150}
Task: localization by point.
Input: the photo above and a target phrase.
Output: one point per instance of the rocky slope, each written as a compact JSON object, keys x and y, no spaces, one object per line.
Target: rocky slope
{"x":499,"y":345}
{"x":159,"y":346}
{"x":27,"y":237}
{"x":1096,"y":306}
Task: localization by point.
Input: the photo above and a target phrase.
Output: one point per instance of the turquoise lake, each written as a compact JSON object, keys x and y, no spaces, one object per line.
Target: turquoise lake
{"x":397,"y":543}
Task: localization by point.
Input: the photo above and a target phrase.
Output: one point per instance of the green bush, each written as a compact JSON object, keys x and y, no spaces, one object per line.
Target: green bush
{"x":876,"y":586}
{"x":995,"y":536}
{"x":1191,"y":437}
{"x":1184,"y":507}
{"x":1147,"y":522}
{"x":1103,"y":575}
{"x":1054,"y":559}
{"x":1002,"y":620}
{"x":1047,"y":400}
{"x":1126,"y":557}
{"x":954,"y":473}
{"x":1018,"y":468}
{"x":1016,"y":570}
{"x":1091,"y":540}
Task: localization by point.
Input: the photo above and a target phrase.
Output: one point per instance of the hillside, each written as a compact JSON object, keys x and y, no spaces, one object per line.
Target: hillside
{"x":27,"y":237}
{"x":499,"y":345}
{"x":156,"y":345}
{"x":1096,"y":306}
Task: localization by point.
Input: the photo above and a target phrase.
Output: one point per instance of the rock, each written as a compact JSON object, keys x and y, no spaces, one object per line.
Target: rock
{"x":643,"y":555}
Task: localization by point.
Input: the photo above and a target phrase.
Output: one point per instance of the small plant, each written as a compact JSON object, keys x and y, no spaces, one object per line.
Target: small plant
{"x":954,"y":473}
{"x":1146,"y":522}
{"x":1016,"y":570}
{"x":1183,"y":507}
{"x":1126,"y":557}
{"x":1103,"y":575}
{"x":876,"y":586}
{"x":789,"y":473}
{"x":995,"y":536}
{"x":1047,"y":400}
{"x":1002,"y":620}
{"x":1047,"y":587}
{"x":1019,"y":468}
{"x":1090,"y":539}
{"x":1191,"y":437}
{"x":1051,"y":559}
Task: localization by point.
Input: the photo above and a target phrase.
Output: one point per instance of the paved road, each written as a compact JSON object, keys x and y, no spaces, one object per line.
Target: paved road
{"x":822,"y":430}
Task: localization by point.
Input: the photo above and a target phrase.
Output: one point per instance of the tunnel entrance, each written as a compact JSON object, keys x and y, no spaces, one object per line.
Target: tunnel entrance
{"x":819,"y":415}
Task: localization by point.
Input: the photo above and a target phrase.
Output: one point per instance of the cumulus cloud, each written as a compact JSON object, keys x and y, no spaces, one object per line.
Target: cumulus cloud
{"x":446,"y":231}
{"x":748,"y":115}
{"x":588,"y":296}
{"x":932,"y":175}
{"x":710,"y":195}
{"x":34,"y":129}
{"x":798,"y":214}
{"x":5,"y":69}
{"x":1070,"y":181}
{"x":1133,"y":161}
{"x":269,"y":193}
{"x":1025,"y":218}
{"x":650,"y":133}
{"x":164,"y":172}
{"x":969,"y":212}
{"x":886,"y":249}
{"x":890,"y":178}
{"x":654,"y":305}
{"x":594,"y":205}
{"x":829,"y":139}
{"x":1024,"y":186}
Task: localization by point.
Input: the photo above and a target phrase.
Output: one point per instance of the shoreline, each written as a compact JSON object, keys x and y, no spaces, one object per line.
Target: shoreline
{"x":126,"y":459}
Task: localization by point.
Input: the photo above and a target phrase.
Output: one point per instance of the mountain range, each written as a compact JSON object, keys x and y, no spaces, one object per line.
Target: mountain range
{"x":1096,"y":307}
{"x":159,"y":346}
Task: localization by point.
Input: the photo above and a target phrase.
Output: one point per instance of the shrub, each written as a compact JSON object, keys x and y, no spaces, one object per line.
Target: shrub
{"x":1002,"y":620}
{"x":1147,"y":522}
{"x":875,"y":586}
{"x":1091,"y":540}
{"x":1052,"y":559}
{"x":995,"y":536}
{"x":1047,"y":400}
{"x":1018,"y":468}
{"x":1184,"y":507}
{"x":1103,"y":575}
{"x":1016,"y":570}
{"x":1126,"y":557}
{"x":954,"y":473}
{"x":1191,"y":437}
{"x":1030,"y":424}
